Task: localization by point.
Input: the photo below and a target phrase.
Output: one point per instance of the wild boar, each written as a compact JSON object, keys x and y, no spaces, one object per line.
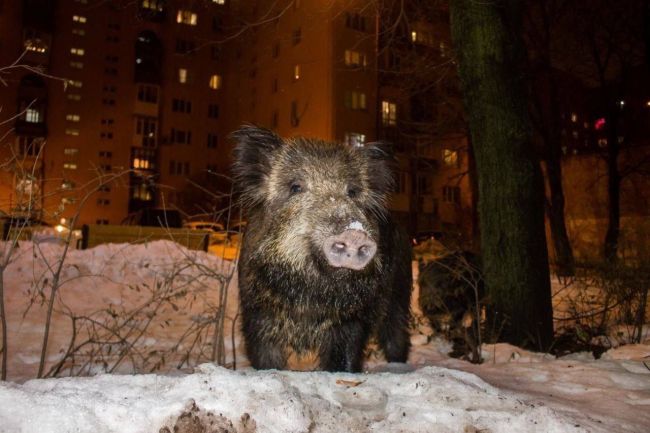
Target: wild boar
{"x":323,"y":266}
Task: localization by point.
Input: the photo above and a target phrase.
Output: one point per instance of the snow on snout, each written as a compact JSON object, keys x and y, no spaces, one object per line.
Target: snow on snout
{"x":355,"y":225}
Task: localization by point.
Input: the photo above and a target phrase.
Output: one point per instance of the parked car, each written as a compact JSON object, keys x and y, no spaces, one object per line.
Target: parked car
{"x":227,"y":242}
{"x":218,"y":233}
{"x":204,"y":225}
{"x":154,"y":217}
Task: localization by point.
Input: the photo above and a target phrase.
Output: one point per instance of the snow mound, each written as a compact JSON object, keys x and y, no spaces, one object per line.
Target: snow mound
{"x":432,"y":399}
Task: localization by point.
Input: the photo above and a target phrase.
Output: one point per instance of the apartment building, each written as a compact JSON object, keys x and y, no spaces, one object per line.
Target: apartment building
{"x":137,"y":97}
{"x":125,"y":107}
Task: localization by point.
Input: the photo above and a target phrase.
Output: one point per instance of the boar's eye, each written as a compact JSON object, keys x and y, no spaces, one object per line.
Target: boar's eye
{"x":353,"y":192}
{"x":295,"y":188}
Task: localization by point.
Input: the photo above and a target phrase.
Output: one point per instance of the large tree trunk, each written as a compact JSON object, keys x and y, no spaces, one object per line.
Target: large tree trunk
{"x":511,"y":208}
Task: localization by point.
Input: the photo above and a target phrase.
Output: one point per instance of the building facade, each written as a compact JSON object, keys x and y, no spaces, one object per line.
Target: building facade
{"x":133,"y":98}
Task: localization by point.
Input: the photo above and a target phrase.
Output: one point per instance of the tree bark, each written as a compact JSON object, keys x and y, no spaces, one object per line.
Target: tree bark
{"x":487,"y":36}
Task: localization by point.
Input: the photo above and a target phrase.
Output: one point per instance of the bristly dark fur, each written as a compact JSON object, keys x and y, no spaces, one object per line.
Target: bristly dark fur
{"x":291,"y":298}
{"x":251,"y":161}
{"x":382,"y":161}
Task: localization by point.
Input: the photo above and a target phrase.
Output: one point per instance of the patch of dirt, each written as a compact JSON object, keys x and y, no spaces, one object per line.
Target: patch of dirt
{"x":196,"y":420}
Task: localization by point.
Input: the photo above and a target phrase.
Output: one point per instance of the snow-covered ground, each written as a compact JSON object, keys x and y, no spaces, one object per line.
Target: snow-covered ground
{"x":513,"y":391}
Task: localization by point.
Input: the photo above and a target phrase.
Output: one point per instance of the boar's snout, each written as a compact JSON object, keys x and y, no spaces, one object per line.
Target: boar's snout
{"x":351,"y":249}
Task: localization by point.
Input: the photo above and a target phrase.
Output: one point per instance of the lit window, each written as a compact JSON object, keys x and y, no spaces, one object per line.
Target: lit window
{"x":70,"y":165}
{"x":622,"y":103}
{"x":67,"y":184}
{"x":142,"y":192}
{"x":296,"y":72}
{"x":355,"y":59}
{"x":219,"y":2}
{"x":140,"y":163}
{"x":75,"y":83}
{"x":422,"y":34}
{"x":355,"y":139}
{"x":450,"y":157}
{"x":70,"y":131}
{"x":599,"y":124}
{"x":153,"y":5}
{"x":182,"y":75}
{"x":35,"y":45}
{"x":647,"y":104}
{"x":574,"y":117}
{"x":70,"y":151}
{"x":72,"y":117}
{"x":32,"y":115}
{"x":74,"y":97}
{"x":388,"y":113}
{"x":78,"y":19}
{"x":443,"y":49}
{"x":77,"y":51}
{"x":186,"y":17}
{"x":355,"y":100}
{"x":215,"y":82}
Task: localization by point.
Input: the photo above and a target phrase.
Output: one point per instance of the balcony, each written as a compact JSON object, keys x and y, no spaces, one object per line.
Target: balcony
{"x":33,"y":129}
{"x":152,"y":10}
{"x":143,"y":159}
{"x":147,"y":100}
{"x":37,"y":47}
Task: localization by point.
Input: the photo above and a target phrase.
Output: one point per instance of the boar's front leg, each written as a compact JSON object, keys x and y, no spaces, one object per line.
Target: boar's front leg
{"x":262,"y":351}
{"x":343,"y":348}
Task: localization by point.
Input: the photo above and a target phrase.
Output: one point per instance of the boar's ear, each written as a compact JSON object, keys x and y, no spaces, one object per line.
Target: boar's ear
{"x":252,"y":160}
{"x":381,"y":165}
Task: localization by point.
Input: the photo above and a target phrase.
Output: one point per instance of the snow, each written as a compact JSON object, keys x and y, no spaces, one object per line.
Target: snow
{"x":514,"y":390}
{"x":355,"y":225}
{"x":432,"y":399}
